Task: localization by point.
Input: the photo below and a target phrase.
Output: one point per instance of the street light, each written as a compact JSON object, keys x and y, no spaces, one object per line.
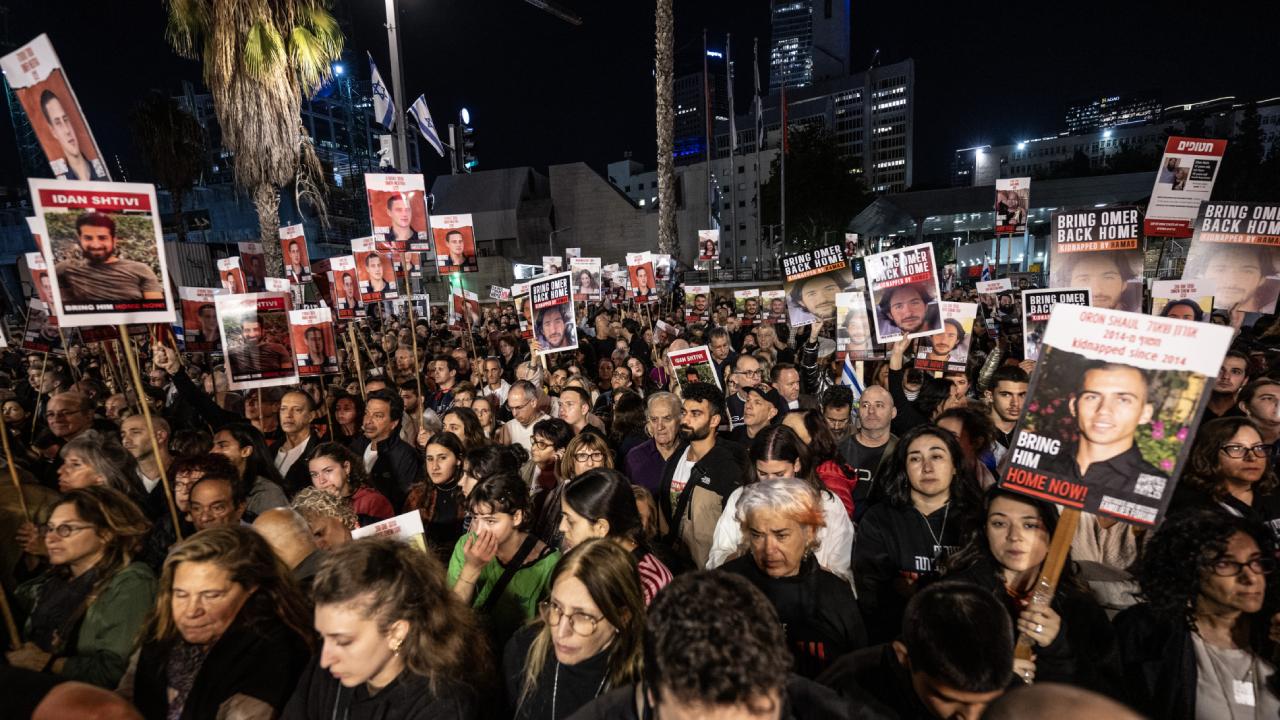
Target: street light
{"x":466,"y":116}
{"x":550,"y":251}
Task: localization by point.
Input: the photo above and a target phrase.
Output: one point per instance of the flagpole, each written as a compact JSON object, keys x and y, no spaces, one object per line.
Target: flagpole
{"x":756,"y":105}
{"x":783,"y":166}
{"x":733,"y":159}
{"x":707,"y":136}
{"x":397,"y":89}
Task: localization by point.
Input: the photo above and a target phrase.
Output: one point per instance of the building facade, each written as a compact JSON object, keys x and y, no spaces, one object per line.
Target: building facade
{"x":809,"y":42}
{"x":1096,"y":114}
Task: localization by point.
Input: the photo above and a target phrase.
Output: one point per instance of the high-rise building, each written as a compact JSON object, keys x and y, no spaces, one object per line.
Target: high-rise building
{"x":690,"y":125}
{"x":809,"y":42}
{"x":1096,"y":114}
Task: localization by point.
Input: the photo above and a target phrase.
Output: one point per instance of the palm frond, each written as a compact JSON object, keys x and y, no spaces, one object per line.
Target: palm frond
{"x":263,"y":50}
{"x":188,"y":26}
{"x":310,"y":185}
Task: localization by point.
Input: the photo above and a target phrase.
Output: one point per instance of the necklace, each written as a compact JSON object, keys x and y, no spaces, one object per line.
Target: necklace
{"x":555,"y":688}
{"x":937,"y":538}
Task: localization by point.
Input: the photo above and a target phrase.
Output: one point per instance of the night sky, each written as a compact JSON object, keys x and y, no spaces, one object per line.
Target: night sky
{"x":542,"y":91}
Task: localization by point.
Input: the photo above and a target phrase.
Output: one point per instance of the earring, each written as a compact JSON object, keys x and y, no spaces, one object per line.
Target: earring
{"x":395,"y":648}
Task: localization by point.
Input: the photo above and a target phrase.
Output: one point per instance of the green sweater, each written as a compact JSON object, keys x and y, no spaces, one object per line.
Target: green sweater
{"x":109,"y":629}
{"x":519,"y":601}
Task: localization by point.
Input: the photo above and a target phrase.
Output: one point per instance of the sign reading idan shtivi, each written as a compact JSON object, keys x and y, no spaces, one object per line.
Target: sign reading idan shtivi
{"x":1113,"y":404}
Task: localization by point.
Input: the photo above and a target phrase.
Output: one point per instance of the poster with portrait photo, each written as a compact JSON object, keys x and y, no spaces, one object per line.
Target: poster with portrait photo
{"x":746,"y":305}
{"x":283,"y":285}
{"x":1037,"y":305}
{"x":693,"y":365}
{"x":464,"y":310}
{"x":812,"y":279}
{"x":853,"y":327}
{"x":552,"y":264}
{"x":1112,"y":410}
{"x":344,"y":286}
{"x":1013,"y":200}
{"x":1236,"y":246}
{"x":554,"y":319}
{"x":662,"y":266}
{"x":586,"y":278}
{"x":948,"y":351}
{"x":413,"y":263}
{"x":36,"y":76}
{"x":253,"y":261}
{"x":40,"y":283}
{"x":524,"y":311}
{"x":103,"y":245}
{"x":200,"y":329}
{"x":41,"y":333}
{"x":1182,"y":299}
{"x":256,"y":340}
{"x":904,"y":293}
{"x":852,"y":247}
{"x":315,"y":349}
{"x":708,"y":247}
{"x":455,"y":243}
{"x":641,"y":276}
{"x":774,"y":303}
{"x":1101,"y":249}
{"x":36,"y":227}
{"x":398,"y":209}
{"x":231,"y":275}
{"x":293,"y":248}
{"x":697,"y":304}
{"x":1184,"y":180}
{"x":375,"y":270}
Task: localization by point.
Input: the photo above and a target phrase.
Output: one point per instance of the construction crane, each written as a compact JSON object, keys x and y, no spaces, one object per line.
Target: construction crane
{"x":563,"y":13}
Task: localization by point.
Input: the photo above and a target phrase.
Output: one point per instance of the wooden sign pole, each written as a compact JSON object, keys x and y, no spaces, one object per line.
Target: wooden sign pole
{"x":151,"y":431}
{"x":13,"y":470}
{"x":351,"y":331}
{"x":1050,"y":572}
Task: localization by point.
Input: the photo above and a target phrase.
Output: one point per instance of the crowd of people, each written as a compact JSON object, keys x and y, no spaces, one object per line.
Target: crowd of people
{"x":602,"y":539}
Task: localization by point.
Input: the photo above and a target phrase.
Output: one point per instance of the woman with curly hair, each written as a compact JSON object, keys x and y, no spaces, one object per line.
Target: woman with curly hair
{"x":1072,"y":637}
{"x":1228,"y":470}
{"x":331,"y":518}
{"x":337,"y":471}
{"x":928,"y":497}
{"x":396,"y":642}
{"x":463,"y":422}
{"x":1200,"y":643}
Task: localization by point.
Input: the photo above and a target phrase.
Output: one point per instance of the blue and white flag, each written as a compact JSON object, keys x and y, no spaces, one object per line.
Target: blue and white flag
{"x":384,"y":106}
{"x":849,"y":376}
{"x":426,"y":126}
{"x":986,"y":269}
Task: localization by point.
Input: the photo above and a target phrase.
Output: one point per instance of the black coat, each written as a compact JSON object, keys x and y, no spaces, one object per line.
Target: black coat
{"x":817,"y":609}
{"x":299,"y":475}
{"x":576,"y":686}
{"x":319,"y":696}
{"x":396,"y":469}
{"x":874,"y":676}
{"x":802,"y":700}
{"x":1158,"y":664}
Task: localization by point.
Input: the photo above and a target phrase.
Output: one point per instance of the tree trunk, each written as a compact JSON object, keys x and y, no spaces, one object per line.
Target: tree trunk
{"x":664,"y":40}
{"x":266,"y":198}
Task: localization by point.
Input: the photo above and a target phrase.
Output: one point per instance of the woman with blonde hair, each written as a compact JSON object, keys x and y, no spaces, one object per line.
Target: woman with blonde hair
{"x":396,"y":642}
{"x":230,"y":633}
{"x":588,"y":638}
{"x":586,"y":451}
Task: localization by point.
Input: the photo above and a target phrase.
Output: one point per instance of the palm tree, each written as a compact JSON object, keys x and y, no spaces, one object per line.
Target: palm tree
{"x":664,"y":40}
{"x":261,"y":57}
{"x":174,"y":147}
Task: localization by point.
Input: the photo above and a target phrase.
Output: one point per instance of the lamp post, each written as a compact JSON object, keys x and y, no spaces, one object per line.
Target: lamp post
{"x":550,"y":251}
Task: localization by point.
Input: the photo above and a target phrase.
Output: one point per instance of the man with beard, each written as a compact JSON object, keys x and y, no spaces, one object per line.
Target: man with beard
{"x":1222,"y":396}
{"x":554,"y":331}
{"x":251,"y":356}
{"x":401,"y":220}
{"x":1107,"y":276}
{"x":104,"y":277}
{"x":937,"y":353}
{"x":701,"y":474}
{"x":814,"y":298}
{"x":908,"y":309}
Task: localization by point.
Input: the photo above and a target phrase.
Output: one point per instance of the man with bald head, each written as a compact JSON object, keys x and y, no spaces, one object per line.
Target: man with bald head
{"x":865,"y":449}
{"x":84,"y":701}
{"x":135,"y":439}
{"x":290,"y":537}
{"x":1056,"y":701}
{"x":69,"y":415}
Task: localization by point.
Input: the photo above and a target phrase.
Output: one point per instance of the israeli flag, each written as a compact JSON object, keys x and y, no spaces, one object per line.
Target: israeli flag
{"x":426,"y":126}
{"x":384,"y":106}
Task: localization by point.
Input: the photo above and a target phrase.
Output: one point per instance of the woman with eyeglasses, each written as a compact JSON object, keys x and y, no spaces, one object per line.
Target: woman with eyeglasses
{"x":80,"y":618}
{"x":585,"y":452}
{"x":439,"y":499}
{"x":550,"y":438}
{"x":499,"y":567}
{"x":588,"y":639}
{"x":1228,"y":470}
{"x":1202,"y":641}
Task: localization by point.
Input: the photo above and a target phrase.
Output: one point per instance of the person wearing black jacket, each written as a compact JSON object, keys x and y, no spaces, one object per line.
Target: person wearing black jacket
{"x":928,"y":497}
{"x":929,"y":401}
{"x":1073,"y":638}
{"x":393,"y":465}
{"x":297,"y":412}
{"x":1228,"y":471}
{"x":953,"y":658}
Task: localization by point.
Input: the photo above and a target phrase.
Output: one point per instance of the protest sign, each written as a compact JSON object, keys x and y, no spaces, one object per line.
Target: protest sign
{"x":293,"y":248}
{"x":283,"y":285}
{"x":853,"y":328}
{"x":200,"y":329}
{"x":103,"y":245}
{"x":948,"y":351}
{"x":253,"y":261}
{"x":314,"y":347}
{"x":708,"y":245}
{"x":231,"y":275}
{"x":697,"y":304}
{"x":1036,"y":308}
{"x":524,"y":311}
{"x":497,"y":292}
{"x":1112,"y":407}
{"x":665,"y":332}
{"x":41,"y":333}
{"x":1237,"y":247}
{"x":746,"y":305}
{"x":851,"y":247}
{"x":36,"y":227}
{"x":255,"y":335}
{"x":39,"y":271}
{"x":413,"y":260}
{"x":904,"y":293}
{"x":811,"y":280}
{"x":555,"y":326}
{"x":35,"y":74}
{"x":398,"y":209}
{"x":693,"y":365}
{"x":344,"y":286}
{"x":994,"y":287}
{"x":1182,"y":299}
{"x":644,"y":284}
{"x":571,"y":253}
{"x":406,"y":528}
{"x":455,"y":243}
{"x":1183,"y":181}
{"x":374,"y":269}
{"x":552,"y":264}
{"x":1101,"y":249}
{"x":1013,"y":199}
{"x":774,"y":303}
{"x":586,"y":278}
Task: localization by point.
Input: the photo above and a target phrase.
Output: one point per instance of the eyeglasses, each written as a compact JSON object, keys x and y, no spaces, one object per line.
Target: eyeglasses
{"x":595,"y":456}
{"x":541,"y":444}
{"x":64,"y":530}
{"x":750,"y":373}
{"x":580,"y":623}
{"x":1239,"y":451}
{"x":1231,"y":568}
